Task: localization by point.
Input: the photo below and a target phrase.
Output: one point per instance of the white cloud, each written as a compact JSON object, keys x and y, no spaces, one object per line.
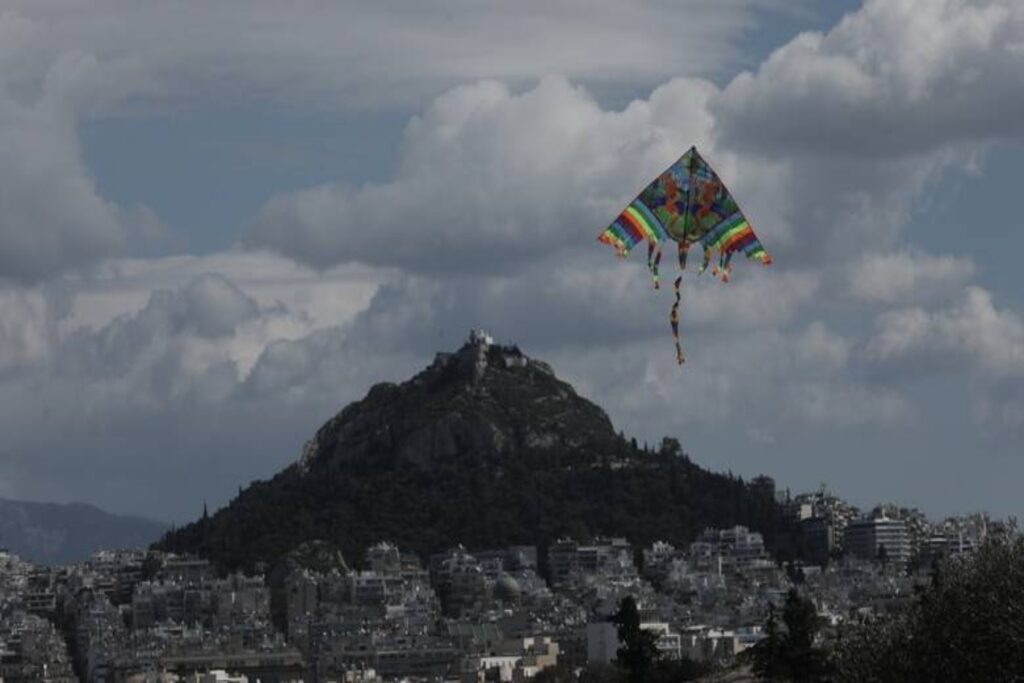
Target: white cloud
{"x":972,"y":329}
{"x":172,"y":350}
{"x":897,"y":78}
{"x":195,"y":342}
{"x":804,"y":141}
{"x":855,"y":123}
{"x":971,"y":336}
{"x":489,"y":179}
{"x":133,"y":389}
{"x":889,"y":278}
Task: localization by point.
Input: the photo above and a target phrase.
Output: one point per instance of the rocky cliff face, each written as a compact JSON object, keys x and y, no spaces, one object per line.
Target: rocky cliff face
{"x":485,"y":447}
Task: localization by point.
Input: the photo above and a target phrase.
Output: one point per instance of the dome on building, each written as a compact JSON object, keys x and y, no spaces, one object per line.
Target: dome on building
{"x":506,"y":589}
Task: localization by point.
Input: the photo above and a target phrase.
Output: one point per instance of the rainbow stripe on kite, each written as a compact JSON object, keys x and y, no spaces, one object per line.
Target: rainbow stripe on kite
{"x":735,"y":234}
{"x":634,"y":225}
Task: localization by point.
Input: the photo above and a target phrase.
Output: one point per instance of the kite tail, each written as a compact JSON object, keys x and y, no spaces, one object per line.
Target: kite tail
{"x":674,"y":320}
{"x":653,"y":262}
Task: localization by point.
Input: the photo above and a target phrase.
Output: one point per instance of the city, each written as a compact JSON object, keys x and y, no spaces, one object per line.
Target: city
{"x":465,"y":615}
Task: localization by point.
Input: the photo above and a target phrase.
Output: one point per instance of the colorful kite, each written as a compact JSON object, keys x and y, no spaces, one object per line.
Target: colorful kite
{"x":689,"y":204}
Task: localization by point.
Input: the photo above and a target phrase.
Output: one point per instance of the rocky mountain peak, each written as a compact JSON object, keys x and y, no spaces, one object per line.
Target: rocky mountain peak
{"x":485,"y":401}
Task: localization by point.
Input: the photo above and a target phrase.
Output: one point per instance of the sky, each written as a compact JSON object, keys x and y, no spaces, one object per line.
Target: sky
{"x":220,"y":224}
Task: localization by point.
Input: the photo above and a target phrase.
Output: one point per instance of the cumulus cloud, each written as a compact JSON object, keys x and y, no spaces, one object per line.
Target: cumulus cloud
{"x":830,"y":143}
{"x":106,"y":380}
{"x":858,"y":121}
{"x":493,"y":180}
{"x":974,"y":329}
{"x":896,"y":277}
{"x":489,"y":179}
{"x":897,"y":78}
{"x":171,"y":349}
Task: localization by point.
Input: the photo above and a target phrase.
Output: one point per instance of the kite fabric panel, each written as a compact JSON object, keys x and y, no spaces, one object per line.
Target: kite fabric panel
{"x":688,"y":204}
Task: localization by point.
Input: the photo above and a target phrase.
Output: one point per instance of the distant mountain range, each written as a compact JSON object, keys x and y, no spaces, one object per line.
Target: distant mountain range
{"x":485,"y":447}
{"x":55,"y":534}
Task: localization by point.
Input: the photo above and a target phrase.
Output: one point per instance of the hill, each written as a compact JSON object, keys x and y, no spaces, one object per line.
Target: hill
{"x":57,"y":534}
{"x":485,"y":447}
